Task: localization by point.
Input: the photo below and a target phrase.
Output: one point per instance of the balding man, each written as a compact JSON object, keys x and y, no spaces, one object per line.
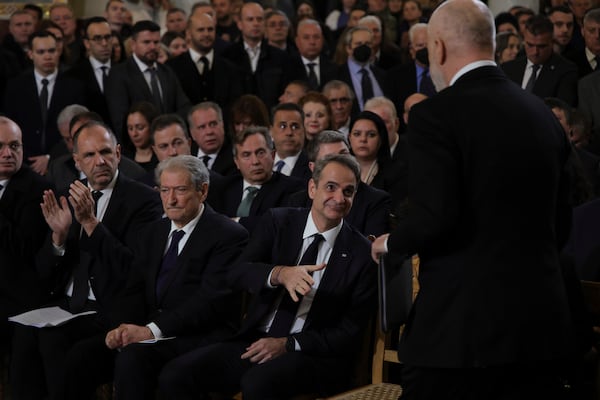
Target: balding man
{"x":483,"y":218}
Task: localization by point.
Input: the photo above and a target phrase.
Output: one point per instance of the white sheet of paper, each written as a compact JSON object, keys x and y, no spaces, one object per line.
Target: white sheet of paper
{"x":151,"y":341}
{"x":46,"y":317}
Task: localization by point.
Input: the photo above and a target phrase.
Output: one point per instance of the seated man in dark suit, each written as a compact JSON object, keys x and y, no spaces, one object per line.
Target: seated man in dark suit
{"x":203,"y":73}
{"x":62,"y":171}
{"x":341,"y":98}
{"x":247,"y":196}
{"x":313,"y":289}
{"x":212,"y":146}
{"x":142,"y":78}
{"x":88,"y":255}
{"x":541,"y":71}
{"x":287,"y":130}
{"x":177,"y":288}
{"x":370,"y":212}
{"x":22,"y":228}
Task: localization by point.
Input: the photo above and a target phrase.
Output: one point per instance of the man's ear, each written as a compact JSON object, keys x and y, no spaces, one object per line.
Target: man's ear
{"x":312,"y":188}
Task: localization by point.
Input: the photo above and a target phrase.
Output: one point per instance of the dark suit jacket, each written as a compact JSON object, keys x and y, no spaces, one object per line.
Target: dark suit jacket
{"x":344,"y":301}
{"x":226,"y":194}
{"x":583,"y":248}
{"x":22,"y":105}
{"x":327,"y":70}
{"x":62,"y":172}
{"x":484,"y":223}
{"x":402,"y":82}
{"x":196,"y":299}
{"x":558,"y":78}
{"x":301,"y":170}
{"x":224,"y":164}
{"x":22,"y":232}
{"x":393,"y":177}
{"x":577,"y":56}
{"x":94,"y":98}
{"x":380,"y":76}
{"x":126,"y":85}
{"x":272,"y":73}
{"x":108,"y":253}
{"x":223,"y":84}
{"x":370,"y":212}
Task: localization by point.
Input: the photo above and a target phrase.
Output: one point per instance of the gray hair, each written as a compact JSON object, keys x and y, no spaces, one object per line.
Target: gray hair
{"x":67,"y":113}
{"x":326,"y":136}
{"x":592,"y":15}
{"x":205,"y":105}
{"x":370,"y":18}
{"x":199,"y":174}
{"x":309,"y":21}
{"x":414,"y":28}
{"x":346,"y":160}
{"x":379,"y":102}
{"x":348,"y":38}
{"x":253,"y":130}
{"x":336,"y":85}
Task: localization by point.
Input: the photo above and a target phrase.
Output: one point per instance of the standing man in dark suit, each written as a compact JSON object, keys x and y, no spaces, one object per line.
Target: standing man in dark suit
{"x":177,"y":288}
{"x":287,"y":131}
{"x":34,"y":99}
{"x":265,"y":69}
{"x":316,"y":69}
{"x":141,"y":78}
{"x":248,"y":195}
{"x":212,"y":146}
{"x":20,"y":27}
{"x":22,"y":228}
{"x":366,"y":80}
{"x":587,"y":58}
{"x":313,"y":288}
{"x":541,"y":71}
{"x":485,"y":225}
{"x":204,"y":74}
{"x":92,"y":71}
{"x":88,"y":255}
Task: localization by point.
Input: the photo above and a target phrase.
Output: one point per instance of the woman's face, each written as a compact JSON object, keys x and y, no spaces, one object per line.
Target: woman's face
{"x":511,"y":51}
{"x":315,"y":118}
{"x":395,"y":6}
{"x":138,"y":129}
{"x":411,"y":11}
{"x":305,"y":10}
{"x":116,"y":48}
{"x":364,"y":140}
{"x":241,"y":124}
{"x":177,"y":47}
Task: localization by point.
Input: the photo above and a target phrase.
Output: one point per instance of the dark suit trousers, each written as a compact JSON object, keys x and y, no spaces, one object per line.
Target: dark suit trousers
{"x":219,"y":368}
{"x":138,"y":365}
{"x":508,"y":382}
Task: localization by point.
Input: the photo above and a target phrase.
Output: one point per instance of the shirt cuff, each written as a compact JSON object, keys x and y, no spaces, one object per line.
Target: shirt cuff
{"x":268,"y":283}
{"x":385,"y":245}
{"x":58,"y":250}
{"x":155,"y":330}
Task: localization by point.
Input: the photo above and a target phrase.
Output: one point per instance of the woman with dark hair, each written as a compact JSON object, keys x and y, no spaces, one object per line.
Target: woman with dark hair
{"x":118,"y":48}
{"x":412,"y":13}
{"x":370,"y":145}
{"x":248,"y":110}
{"x":138,"y":144}
{"x":506,"y":22}
{"x":508,"y":45}
{"x":175,"y":43}
{"x":317,"y":113}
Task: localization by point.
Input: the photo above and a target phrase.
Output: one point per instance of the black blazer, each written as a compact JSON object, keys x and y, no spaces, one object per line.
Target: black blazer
{"x":107,"y":254}
{"x":345,"y":299}
{"x":22,"y":232}
{"x":301,"y":169}
{"x":224,"y":164}
{"x":272,"y":74}
{"x":327,"y":70}
{"x":126,"y":85}
{"x":577,"y":56}
{"x":223,"y":84}
{"x":196,"y":299}
{"x":94,"y":98}
{"x":225,"y":196}
{"x":370,"y":212}
{"x":22,"y":105}
{"x":402,"y":82}
{"x":558,"y":77}
{"x":484,"y":223}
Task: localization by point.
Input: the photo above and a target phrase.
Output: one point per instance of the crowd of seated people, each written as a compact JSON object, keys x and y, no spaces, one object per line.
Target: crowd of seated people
{"x":154,"y":161}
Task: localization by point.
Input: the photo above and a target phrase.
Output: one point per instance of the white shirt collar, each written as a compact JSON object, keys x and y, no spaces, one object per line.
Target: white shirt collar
{"x":97,"y":64}
{"x":470,"y":67}
{"x":143,"y":66}
{"x":247,"y":184}
{"x":189,"y":227}
{"x":51,"y":78}
{"x":330,"y":235}
{"x":306,"y":61}
{"x":196,"y":56}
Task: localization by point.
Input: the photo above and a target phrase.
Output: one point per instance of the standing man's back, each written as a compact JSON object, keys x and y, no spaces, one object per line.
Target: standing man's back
{"x":485,"y":186}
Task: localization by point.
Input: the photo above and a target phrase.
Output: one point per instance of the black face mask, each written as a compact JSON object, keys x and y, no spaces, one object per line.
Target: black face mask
{"x":362,"y":53}
{"x":422,"y":56}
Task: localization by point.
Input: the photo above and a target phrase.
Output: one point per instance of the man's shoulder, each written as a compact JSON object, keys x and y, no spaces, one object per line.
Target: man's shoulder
{"x":26,"y":181}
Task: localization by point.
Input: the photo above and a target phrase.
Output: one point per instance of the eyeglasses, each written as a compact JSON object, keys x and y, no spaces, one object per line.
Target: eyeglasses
{"x":281,"y":24}
{"x":100,"y":38}
{"x":13,"y":147}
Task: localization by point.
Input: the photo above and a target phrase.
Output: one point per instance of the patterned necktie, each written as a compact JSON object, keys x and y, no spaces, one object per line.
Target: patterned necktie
{"x":531,"y":82}
{"x":168,"y":263}
{"x":244,"y":207}
{"x":366,"y":85}
{"x":313,"y":82}
{"x":155,"y":89}
{"x":286,"y":312}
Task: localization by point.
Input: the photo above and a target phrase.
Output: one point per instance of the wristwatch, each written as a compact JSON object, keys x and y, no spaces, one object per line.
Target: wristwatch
{"x":290,"y":344}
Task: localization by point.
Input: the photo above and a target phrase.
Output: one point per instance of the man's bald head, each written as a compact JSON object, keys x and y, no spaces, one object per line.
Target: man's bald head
{"x":459,"y":32}
{"x":410,"y":102}
{"x":11,"y":148}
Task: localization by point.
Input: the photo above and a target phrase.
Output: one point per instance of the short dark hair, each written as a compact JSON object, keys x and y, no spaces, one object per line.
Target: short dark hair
{"x":286,"y":107}
{"x":142,"y":26}
{"x":555,"y":102}
{"x":39,"y":34}
{"x":326,"y":136}
{"x":253,"y":130}
{"x":539,"y":25}
{"x":90,"y":21}
{"x":344,"y":159}
{"x":165,"y":120}
{"x":111,"y":1}
{"x":169,"y":36}
{"x":174,"y":10}
{"x":562,"y":9}
{"x":506,"y":18}
{"x":33,"y":7}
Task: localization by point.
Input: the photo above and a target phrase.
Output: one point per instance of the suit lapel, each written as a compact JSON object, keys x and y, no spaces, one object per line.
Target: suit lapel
{"x":139,"y":80}
{"x":158,"y":250}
